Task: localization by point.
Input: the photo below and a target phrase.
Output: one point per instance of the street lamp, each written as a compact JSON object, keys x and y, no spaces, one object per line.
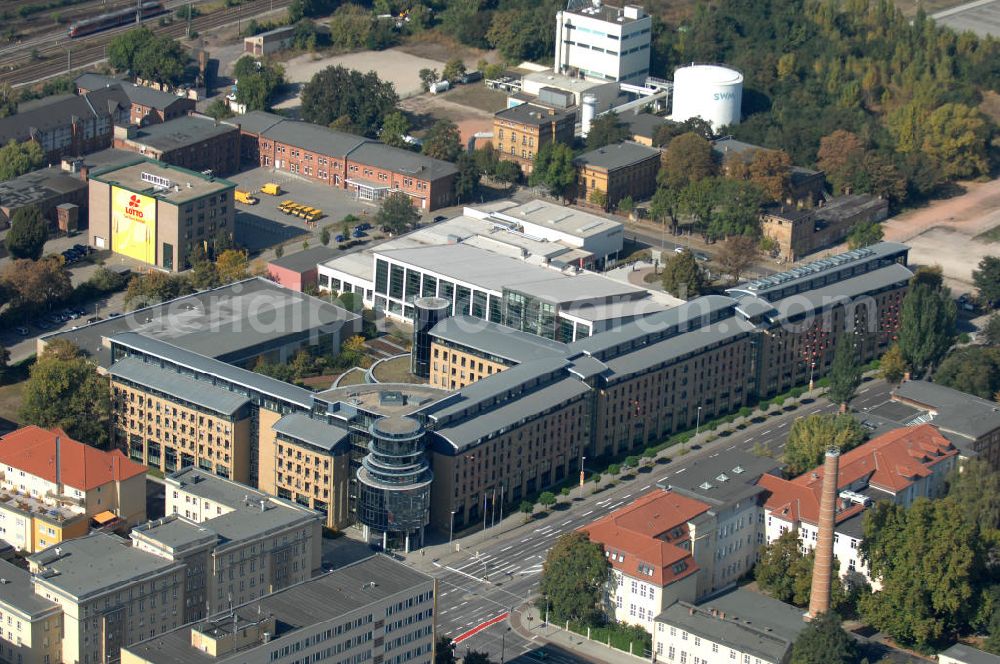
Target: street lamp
{"x":451,"y":526}
{"x":697,"y":427}
{"x":503,"y":645}
{"x":812,"y":367}
{"x":583,"y":460}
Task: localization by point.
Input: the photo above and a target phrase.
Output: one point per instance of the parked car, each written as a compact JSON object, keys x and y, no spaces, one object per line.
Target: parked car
{"x":358,"y":233}
{"x":94,"y":319}
{"x":79,"y":311}
{"x":340,"y":238}
{"x":440,"y":217}
{"x":114,"y":314}
{"x":364,"y":226}
{"x":83,"y":249}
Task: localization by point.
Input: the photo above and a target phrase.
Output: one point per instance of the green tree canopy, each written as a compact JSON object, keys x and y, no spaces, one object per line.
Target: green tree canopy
{"x":824,"y":641}
{"x":394,"y":130}
{"x":453,"y":70}
{"x":688,"y":158}
{"x":926,"y":325}
{"x":152,"y":287}
{"x":607,"y":129}
{"x":336,"y":92}
{"x":554,"y":169}
{"x":444,"y":651}
{"x":351,"y":26}
{"x":258,"y":82}
{"x":974,"y":370}
{"x":810,"y":437}
{"x":397,"y":213}
{"x":956,"y":137}
{"x":864,"y":234}
{"x":35,"y":285}
{"x":575,"y":577}
{"x":16,"y":159}
{"x":992,"y":330}
{"x":892,"y":366}
{"x":682,"y":276}
{"x":784,"y":571}
{"x":148,"y":55}
{"x":986,"y":278}
{"x":845,"y":373}
{"x":443,"y":141}
{"x":64,"y":390}
{"x":28,"y":233}
{"x":468,"y":177}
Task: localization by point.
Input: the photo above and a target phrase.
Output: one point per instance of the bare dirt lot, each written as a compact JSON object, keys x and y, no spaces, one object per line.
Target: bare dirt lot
{"x":471,"y":107}
{"x":950,"y":232}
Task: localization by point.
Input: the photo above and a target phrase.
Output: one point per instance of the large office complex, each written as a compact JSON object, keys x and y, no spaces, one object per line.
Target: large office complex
{"x":603,"y":42}
{"x":159,"y":214}
{"x":375,"y":610}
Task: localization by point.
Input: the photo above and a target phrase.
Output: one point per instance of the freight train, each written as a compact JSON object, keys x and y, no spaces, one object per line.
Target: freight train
{"x":114,"y":19}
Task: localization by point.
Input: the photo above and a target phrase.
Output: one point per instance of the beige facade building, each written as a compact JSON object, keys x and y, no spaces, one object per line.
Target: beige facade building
{"x":30,"y":626}
{"x":799,"y":232}
{"x":159,"y":214}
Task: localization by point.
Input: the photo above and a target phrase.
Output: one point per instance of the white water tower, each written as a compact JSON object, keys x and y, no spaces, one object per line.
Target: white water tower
{"x":587,"y":113}
{"x":711,"y":92}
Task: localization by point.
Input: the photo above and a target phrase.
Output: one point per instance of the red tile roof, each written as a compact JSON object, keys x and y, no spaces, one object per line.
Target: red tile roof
{"x":652,"y":531}
{"x":890,"y":463}
{"x":33,"y":450}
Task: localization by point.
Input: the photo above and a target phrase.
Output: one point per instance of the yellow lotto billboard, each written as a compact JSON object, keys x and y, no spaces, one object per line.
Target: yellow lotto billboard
{"x":133,"y":225}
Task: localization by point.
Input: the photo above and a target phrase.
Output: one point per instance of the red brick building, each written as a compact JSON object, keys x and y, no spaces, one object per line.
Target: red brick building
{"x":195,"y":142}
{"x":298,"y":271}
{"x":368,"y":168}
{"x":148,"y":106}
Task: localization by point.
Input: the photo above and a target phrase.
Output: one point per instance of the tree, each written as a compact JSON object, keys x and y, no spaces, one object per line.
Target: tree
{"x":779,"y":566}
{"x":700,"y":199}
{"x":840,"y":156}
{"x":397,"y":213}
{"x":154,"y":287}
{"x":687,"y":159}
{"x":606,"y":129}
{"x":324,"y":236}
{"x":987,"y":280}
{"x":36,"y":284}
{"x":992,"y":330}
{"x":28,"y":233}
{"x":394,"y":130}
{"x":148,"y":55}
{"x":575,"y":577}
{"x":930,"y":561}
{"x":219,"y":109}
{"x":929,"y":275}
{"x":682,"y":276}
{"x":526,"y":508}
{"x":428,"y":77}
{"x":626,"y":205}
{"x":736,"y":254}
{"x":468,"y":177}
{"x":956,"y":137}
{"x":454,"y":69}
{"x":976,"y":488}
{"x":232,"y":265}
{"x":547,"y":499}
{"x":736,"y":207}
{"x":810,"y":437}
{"x":771,"y":170}
{"x":123,"y":48}
{"x":16,"y":159}
{"x":974,"y":370}
{"x":258,"y":82}
{"x":554,"y":169}
{"x":443,"y":141}
{"x":336,"y":92}
{"x":522,"y":33}
{"x":507,"y":172}
{"x":631,"y":462}
{"x":845,"y":374}
{"x":926,"y":326}
{"x":351,"y":27}
{"x":8,"y":100}
{"x":599,"y":197}
{"x":864,"y":234}
{"x":64,"y":390}
{"x":892,"y":366}
{"x":824,"y":641}
{"x":476,"y":657}
{"x":665,"y":206}
{"x":444,"y":651}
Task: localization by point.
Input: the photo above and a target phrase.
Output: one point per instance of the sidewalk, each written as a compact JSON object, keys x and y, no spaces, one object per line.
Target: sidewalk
{"x":528,"y":624}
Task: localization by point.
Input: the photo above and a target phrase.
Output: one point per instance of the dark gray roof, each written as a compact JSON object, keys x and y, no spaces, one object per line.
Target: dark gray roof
{"x":729,"y":146}
{"x":305,"y":260}
{"x":724,"y":479}
{"x":969,"y":655}
{"x":181,"y":132}
{"x":137,"y":94}
{"x":323,"y":598}
{"x":585,"y":367}
{"x":841,"y":292}
{"x":257,"y":122}
{"x":317,"y":433}
{"x":51,"y":113}
{"x":853,"y":526}
{"x":215,"y":372}
{"x":314,"y":137}
{"x":17,"y":593}
{"x":177,"y":385}
{"x":207,"y":486}
{"x":690,"y":315}
{"x":495,"y":339}
{"x":955,"y":411}
{"x":251,"y":522}
{"x":38,"y":186}
{"x":534,"y":115}
{"x":175,"y":533}
{"x":619,"y":155}
{"x":753,"y":623}
{"x":95,"y":564}
{"x":403,"y":162}
{"x":642,"y":124}
{"x":752,"y":306}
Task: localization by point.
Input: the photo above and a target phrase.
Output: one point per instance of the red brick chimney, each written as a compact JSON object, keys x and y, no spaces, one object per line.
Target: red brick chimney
{"x":819,"y":597}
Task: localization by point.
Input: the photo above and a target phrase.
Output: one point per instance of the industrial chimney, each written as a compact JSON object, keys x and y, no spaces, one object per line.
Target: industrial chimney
{"x":819,"y":597}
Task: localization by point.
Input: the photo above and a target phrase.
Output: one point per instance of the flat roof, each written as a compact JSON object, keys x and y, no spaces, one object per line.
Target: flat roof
{"x":954,"y":411}
{"x":616,"y":156}
{"x":305,"y":260}
{"x":18,"y":593}
{"x":723,"y":479}
{"x":96,"y":563}
{"x":177,"y":385}
{"x":603,"y":12}
{"x":246,"y":316}
{"x":315,"y":432}
{"x":499,"y":340}
{"x":188,"y":185}
{"x":187,"y":131}
{"x":385,"y":399}
{"x":642,"y":124}
{"x":174,"y":532}
{"x":36,"y":187}
{"x":368,"y":582}
{"x":969,"y":655}
{"x":559,"y":81}
{"x":840,"y":292}
{"x":313,"y":137}
{"x":208,"y":486}
{"x":561,"y":218}
{"x":530,"y":114}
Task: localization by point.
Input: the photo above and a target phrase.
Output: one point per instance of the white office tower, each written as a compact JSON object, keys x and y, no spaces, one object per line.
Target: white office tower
{"x":603,"y":43}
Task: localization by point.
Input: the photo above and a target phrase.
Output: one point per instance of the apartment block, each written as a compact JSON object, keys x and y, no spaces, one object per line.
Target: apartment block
{"x":521,"y":131}
{"x":32,"y":625}
{"x":369,"y":169}
{"x":799,"y":232}
{"x":739,"y":626}
{"x":374,"y":610}
{"x":622,"y":170}
{"x":148,"y":106}
{"x":54,"y":488}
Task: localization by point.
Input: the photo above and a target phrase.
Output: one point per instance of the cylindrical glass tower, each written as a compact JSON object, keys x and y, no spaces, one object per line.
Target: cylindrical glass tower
{"x":395,"y":483}
{"x":427,"y":312}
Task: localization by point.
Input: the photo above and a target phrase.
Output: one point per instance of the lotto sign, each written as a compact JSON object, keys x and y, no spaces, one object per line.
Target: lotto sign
{"x":133,"y":225}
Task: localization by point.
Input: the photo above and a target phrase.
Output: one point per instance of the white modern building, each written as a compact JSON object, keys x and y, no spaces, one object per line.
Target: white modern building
{"x":602,"y":42}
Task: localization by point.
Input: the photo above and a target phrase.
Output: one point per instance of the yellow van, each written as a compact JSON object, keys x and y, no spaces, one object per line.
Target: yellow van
{"x":245,"y":197}
{"x":271,"y":189}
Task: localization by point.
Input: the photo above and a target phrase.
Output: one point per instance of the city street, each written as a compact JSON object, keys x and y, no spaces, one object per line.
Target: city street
{"x":496,"y":571}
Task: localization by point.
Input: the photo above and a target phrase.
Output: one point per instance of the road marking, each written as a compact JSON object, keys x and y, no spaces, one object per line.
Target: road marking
{"x":526,"y":539}
{"x":627,"y":495}
{"x":538,"y":530}
{"x":480,"y":627}
{"x":731,"y":447}
{"x":712,"y":456}
{"x":604,"y":502}
{"x":646,"y":487}
{"x":507,"y":549}
{"x":783,"y":424}
{"x":865,"y":390}
{"x":587,"y":513}
{"x":616,"y":505}
{"x":565,"y":523}
{"x":680,"y":471}
{"x":767,"y":432}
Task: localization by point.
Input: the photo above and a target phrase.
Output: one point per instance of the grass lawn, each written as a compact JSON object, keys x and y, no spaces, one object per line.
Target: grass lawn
{"x":10,"y":400}
{"x":355,"y":377}
{"x":396,"y":370}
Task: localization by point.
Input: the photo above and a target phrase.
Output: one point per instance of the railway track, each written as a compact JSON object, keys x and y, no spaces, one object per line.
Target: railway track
{"x":67,"y":54}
